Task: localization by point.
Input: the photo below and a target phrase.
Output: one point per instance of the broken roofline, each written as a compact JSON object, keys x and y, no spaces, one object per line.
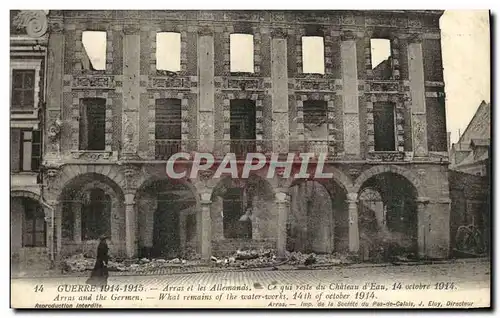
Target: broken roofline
{"x":303,"y":165}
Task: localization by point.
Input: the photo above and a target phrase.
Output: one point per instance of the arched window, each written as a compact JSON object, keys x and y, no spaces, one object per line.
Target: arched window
{"x":96,"y":215}
{"x":35,"y":228}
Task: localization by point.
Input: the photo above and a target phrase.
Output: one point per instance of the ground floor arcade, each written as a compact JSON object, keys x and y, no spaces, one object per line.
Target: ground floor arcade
{"x":376,"y":212}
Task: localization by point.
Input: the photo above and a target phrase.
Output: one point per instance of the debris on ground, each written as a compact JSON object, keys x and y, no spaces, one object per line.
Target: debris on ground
{"x":240,"y":259}
{"x":311,"y":259}
{"x":81,"y":263}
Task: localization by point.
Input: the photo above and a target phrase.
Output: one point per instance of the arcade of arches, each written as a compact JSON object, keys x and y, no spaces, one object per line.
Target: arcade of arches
{"x":376,"y":217}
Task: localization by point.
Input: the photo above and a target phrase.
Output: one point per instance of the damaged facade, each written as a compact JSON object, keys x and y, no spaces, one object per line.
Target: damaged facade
{"x":117,"y":118}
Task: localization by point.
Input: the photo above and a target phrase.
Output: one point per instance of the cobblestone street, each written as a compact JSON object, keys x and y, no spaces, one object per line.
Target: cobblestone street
{"x":471,"y":280}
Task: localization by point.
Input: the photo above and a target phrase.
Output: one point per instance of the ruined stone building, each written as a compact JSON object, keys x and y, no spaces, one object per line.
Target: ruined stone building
{"x":117,"y":109}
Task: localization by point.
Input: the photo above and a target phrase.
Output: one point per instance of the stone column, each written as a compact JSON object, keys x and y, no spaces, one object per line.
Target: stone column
{"x":423,"y":225}
{"x":58,"y":229}
{"x":77,"y":224}
{"x":279,"y":78}
{"x":206,"y":226}
{"x":50,"y":220}
{"x":350,"y":94}
{"x":206,"y":94}
{"x":417,"y":91}
{"x":130,"y":226}
{"x":352,"y":200}
{"x":131,"y":90}
{"x":282,"y":201}
{"x":55,"y":94}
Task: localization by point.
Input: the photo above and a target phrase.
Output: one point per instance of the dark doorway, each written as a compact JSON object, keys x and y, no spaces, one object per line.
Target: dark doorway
{"x":166,"y":241}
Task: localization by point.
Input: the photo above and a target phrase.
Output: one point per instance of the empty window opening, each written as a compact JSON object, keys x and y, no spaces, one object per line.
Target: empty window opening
{"x":23,"y":89}
{"x":315,"y":112}
{"x":384,"y":127}
{"x":92,"y":124}
{"x":35,"y":228}
{"x":30,"y":151}
{"x":96,"y":215}
{"x":242,"y":126}
{"x":315,"y":123}
{"x":233,"y":210}
{"x":168,"y":51}
{"x":380,"y":51}
{"x":167,"y":127}
{"x":241,"y":53}
{"x":313,"y":55}
{"x":94,"y":50}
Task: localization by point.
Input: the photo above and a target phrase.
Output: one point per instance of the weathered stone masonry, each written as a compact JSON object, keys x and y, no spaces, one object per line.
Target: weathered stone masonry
{"x":205,"y":86}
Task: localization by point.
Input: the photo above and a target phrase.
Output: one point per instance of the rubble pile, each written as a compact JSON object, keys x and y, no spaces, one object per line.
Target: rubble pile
{"x":240,"y":259}
{"x":267,"y":258}
{"x":247,"y":259}
{"x":81,"y":263}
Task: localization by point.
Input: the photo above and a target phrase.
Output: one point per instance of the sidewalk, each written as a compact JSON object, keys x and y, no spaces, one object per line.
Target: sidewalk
{"x":211,"y":268}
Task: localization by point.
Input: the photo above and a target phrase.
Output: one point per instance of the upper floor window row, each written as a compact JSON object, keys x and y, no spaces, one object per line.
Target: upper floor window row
{"x":168,"y":53}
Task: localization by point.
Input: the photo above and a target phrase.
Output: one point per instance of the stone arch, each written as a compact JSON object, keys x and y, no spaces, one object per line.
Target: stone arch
{"x":243,"y":212}
{"x":70,"y":172}
{"x":168,"y":218}
{"x":387,"y":219}
{"x":144,"y":182}
{"x":379,"y":169}
{"x":75,"y":200}
{"x":25,"y":194}
{"x":86,"y":180}
{"x":213,"y":183}
{"x":339,"y":177}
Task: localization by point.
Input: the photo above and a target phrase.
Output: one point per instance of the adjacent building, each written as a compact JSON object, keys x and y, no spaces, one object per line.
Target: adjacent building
{"x":30,"y":218}
{"x":470,"y":154}
{"x":470,"y":186}
{"x":127,"y":89}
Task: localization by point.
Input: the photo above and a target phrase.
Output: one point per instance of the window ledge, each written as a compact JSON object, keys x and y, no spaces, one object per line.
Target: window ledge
{"x":92,"y":155}
{"x":386,"y":156}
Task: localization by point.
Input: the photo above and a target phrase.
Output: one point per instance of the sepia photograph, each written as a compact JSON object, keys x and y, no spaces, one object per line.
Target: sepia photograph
{"x":298,"y":159}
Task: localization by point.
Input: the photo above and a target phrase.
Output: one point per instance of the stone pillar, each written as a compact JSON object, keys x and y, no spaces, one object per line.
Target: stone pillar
{"x":130,"y":226}
{"x":352,"y":200}
{"x":50,"y":220}
{"x":77,"y":225}
{"x":282,"y":201}
{"x":206,"y":227}
{"x":279,"y":78}
{"x":417,"y":91}
{"x":131,"y":91}
{"x":55,"y":94}
{"x":423,"y":225}
{"x":350,"y":94}
{"x":206,"y":90}
{"x":58,"y":230}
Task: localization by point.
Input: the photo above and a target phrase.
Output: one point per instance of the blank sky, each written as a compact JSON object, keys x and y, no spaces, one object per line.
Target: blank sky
{"x":466,"y":61}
